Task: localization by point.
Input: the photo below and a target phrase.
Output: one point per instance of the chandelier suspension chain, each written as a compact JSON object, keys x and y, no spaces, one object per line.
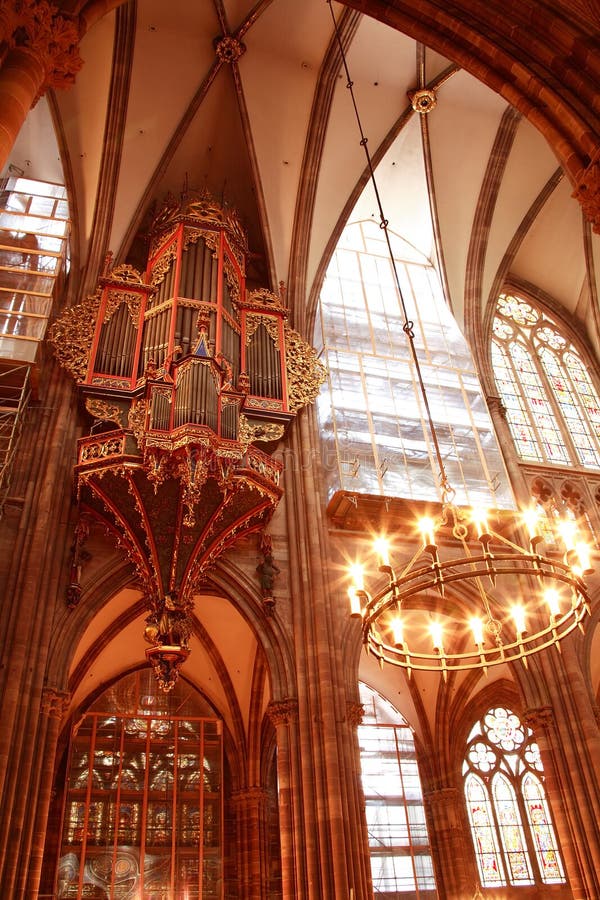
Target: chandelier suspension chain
{"x":408,"y":326}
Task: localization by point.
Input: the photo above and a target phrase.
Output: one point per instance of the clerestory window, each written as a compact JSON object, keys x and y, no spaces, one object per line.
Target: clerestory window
{"x":375,"y":435}
{"x":552,"y":405}
{"x":511,"y":825}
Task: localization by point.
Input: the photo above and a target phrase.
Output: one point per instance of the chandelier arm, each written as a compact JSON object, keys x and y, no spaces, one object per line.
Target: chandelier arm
{"x":408,"y":326}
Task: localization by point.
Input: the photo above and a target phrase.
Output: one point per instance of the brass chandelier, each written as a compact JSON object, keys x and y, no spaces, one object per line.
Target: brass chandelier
{"x":457,"y":587}
{"x":447,"y":609}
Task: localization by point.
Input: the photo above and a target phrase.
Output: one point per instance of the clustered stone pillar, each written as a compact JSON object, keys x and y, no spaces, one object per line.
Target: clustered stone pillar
{"x":34,"y":589}
{"x":250,"y":805}
{"x":566,"y":729}
{"x":54,"y":706}
{"x":40,"y":52}
{"x":284,"y":717}
{"x":331,"y":850}
{"x":449,"y":833}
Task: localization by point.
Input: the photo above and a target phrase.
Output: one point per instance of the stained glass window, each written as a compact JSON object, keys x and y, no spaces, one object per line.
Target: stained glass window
{"x":143,"y":811}
{"x":552,"y":406}
{"x":401,"y":863}
{"x":511,"y":825}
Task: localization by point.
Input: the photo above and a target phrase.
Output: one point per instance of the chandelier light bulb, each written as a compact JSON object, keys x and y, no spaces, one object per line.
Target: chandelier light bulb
{"x":568,"y":533}
{"x":582,"y":551}
{"x":382,"y":548}
{"x":531,"y":519}
{"x":552,"y":598}
{"x":397,"y":629}
{"x":437,"y":631}
{"x":427,"y":529}
{"x":477,"y":629}
{"x":518,"y":614}
{"x":357,"y":574}
{"x":479,"y":519}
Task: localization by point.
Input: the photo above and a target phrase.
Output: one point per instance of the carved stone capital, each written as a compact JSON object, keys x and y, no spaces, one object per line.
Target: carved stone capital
{"x":539,"y":717}
{"x":496,"y":407}
{"x":282,"y":712}
{"x":354,"y":714}
{"x":587,"y":191}
{"x":50,"y":38}
{"x":54,"y":703}
{"x":443,"y":796}
{"x":249,"y":797}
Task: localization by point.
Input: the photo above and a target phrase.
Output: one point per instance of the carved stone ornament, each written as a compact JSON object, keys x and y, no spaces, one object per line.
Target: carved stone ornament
{"x":423,"y":101}
{"x":282,"y":712}
{"x":72,"y":335}
{"x":54,"y":702}
{"x":305,"y":373}
{"x":51,"y":38}
{"x":587,"y":191}
{"x":354,"y":714}
{"x":229,"y":49}
{"x":538,"y":718}
{"x":496,"y":406}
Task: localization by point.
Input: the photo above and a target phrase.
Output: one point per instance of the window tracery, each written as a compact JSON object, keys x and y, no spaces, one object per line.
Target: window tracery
{"x":509,"y":815}
{"x":552,"y":406}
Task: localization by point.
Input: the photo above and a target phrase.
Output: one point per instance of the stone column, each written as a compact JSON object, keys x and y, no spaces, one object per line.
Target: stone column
{"x":41,"y":53}
{"x":359,"y":834}
{"x":448,"y":827}
{"x":33,"y":585}
{"x":509,"y":453}
{"x":250,"y":806}
{"x":327,"y":792}
{"x":284,"y":716}
{"x":569,"y":740}
{"x":54,"y":705}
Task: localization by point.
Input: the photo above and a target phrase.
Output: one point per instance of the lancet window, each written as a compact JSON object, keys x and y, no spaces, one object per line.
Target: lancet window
{"x":401,"y":864}
{"x":551,"y":402}
{"x":511,"y":825}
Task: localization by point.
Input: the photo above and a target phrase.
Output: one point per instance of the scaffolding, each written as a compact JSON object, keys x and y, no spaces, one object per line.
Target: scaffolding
{"x":15,"y":389}
{"x":34,"y":228}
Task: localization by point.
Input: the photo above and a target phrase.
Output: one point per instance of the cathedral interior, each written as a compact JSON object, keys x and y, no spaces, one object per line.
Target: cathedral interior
{"x":300,"y":449}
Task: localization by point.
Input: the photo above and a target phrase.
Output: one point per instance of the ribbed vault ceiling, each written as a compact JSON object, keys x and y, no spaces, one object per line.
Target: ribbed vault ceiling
{"x":155,"y":109}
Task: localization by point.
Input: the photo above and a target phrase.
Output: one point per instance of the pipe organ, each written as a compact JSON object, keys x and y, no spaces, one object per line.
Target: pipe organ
{"x":185,"y":373}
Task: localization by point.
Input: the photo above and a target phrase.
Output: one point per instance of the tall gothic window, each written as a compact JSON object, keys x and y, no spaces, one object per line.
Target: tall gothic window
{"x":143,"y":811}
{"x":510,"y":819}
{"x":552,"y":406}
{"x":375,"y":434}
{"x":401,"y":864}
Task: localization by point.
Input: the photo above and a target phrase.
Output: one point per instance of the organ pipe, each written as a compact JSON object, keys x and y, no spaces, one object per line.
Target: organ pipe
{"x":263,"y":364}
{"x":205,"y":376}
